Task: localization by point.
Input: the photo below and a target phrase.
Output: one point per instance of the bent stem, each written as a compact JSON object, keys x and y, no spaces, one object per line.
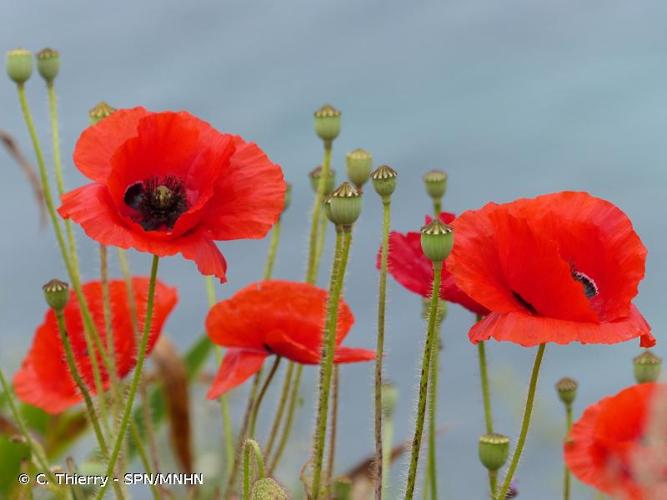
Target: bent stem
{"x":525,"y":423}
{"x":566,"y":471}
{"x":251,"y":444}
{"x":141,"y":355}
{"x":423,"y":381}
{"x":260,"y":396}
{"x":379,"y":350}
{"x":328,"y":348}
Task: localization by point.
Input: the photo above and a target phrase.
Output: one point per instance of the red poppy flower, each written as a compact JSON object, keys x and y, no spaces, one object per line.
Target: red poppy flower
{"x":558,"y":268}
{"x":274,"y":317}
{"x":412,"y":269}
{"x":610,"y":447}
{"x":44,"y":379}
{"x":168,"y":182}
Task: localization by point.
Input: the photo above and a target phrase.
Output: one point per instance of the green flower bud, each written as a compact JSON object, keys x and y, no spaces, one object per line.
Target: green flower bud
{"x":48,"y":64}
{"x":342,"y":488}
{"x":437,"y":239}
{"x":100,"y":111}
{"x":389,"y":399}
{"x":327,"y":123}
{"x":435,"y":182}
{"x":647,"y":367}
{"x":359,"y":164}
{"x":493,"y":450}
{"x":567,"y":390}
{"x":56,"y":293}
{"x":268,"y":489}
{"x":19,"y":65}
{"x":344,"y":205}
{"x":384,"y":181}
{"x":315,"y":175}
{"x":442,"y":310}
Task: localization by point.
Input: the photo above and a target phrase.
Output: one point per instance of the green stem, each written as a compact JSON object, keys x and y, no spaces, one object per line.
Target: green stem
{"x":328,"y":348}
{"x":251,"y":444}
{"x":143,"y":456}
{"x":321,"y":235}
{"x":379,"y":350}
{"x":432,"y":417}
{"x":287,"y":429}
{"x":313,"y":261}
{"x":334,"y":425}
{"x":566,"y":471}
{"x":141,"y":355}
{"x":486,"y":395}
{"x":387,"y":443}
{"x":273,"y":250}
{"x":525,"y":424}
{"x":431,"y":338}
{"x":108,"y":327}
{"x":280,"y":411}
{"x":260,"y":397}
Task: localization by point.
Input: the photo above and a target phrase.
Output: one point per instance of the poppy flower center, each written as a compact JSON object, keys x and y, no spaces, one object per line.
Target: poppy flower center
{"x":158,"y":202}
{"x":590,"y":287}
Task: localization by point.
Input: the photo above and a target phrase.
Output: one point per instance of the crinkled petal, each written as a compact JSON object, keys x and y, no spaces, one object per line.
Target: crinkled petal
{"x":237,"y":366}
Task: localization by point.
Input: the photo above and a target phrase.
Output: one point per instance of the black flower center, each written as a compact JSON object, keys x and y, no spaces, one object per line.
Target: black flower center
{"x":159,"y":202}
{"x":590,"y":288}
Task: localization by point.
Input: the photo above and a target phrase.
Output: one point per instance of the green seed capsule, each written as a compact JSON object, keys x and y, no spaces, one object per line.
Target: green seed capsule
{"x":56,"y":293}
{"x":359,"y":164}
{"x":647,"y":367}
{"x":19,"y":65}
{"x":327,"y":123}
{"x":315,"y":176}
{"x":567,"y":390}
{"x":493,"y":450}
{"x":384,"y":181}
{"x":437,"y":239}
{"x":435,"y":183}
{"x":48,"y":64}
{"x":100,"y":111}
{"x":344,"y":205}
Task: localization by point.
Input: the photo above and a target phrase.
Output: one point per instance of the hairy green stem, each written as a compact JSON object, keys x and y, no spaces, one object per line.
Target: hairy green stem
{"x":143,"y":456}
{"x":287,"y":429}
{"x":260,"y":396}
{"x":432,"y":416}
{"x":486,"y":398}
{"x":280,"y":411}
{"x":387,"y":443}
{"x":379,"y":350}
{"x":334,"y":424}
{"x":525,"y":423}
{"x":328,"y":349}
{"x":273,"y":251}
{"x":566,"y":470}
{"x":431,"y":338}
{"x":108,"y":327}
{"x":313,"y":261}
{"x":251,"y":444}
{"x":141,"y":356}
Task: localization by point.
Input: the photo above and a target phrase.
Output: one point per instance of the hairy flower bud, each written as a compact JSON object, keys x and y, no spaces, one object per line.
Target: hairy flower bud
{"x":48,"y":64}
{"x":100,"y":111}
{"x":384,"y":181}
{"x":647,"y":367}
{"x":315,"y":175}
{"x":327,"y":123}
{"x":493,"y":450}
{"x":435,"y":183}
{"x":359,"y":164}
{"x":268,"y":489}
{"x":344,"y":205}
{"x":56,"y":293}
{"x":19,"y":65}
{"x":437,"y":239}
{"x":567,"y":390}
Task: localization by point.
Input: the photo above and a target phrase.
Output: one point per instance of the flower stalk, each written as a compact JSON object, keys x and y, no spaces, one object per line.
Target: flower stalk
{"x":251,"y":445}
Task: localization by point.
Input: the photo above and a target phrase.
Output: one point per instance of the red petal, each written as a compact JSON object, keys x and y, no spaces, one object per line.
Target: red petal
{"x":249,"y":197}
{"x":528,"y":330}
{"x":237,"y":366}
{"x":353,"y":355}
{"x":97,"y":144}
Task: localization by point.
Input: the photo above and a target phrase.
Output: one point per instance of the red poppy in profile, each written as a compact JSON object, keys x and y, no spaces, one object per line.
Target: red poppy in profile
{"x":44,"y":379}
{"x":558,"y":268}
{"x":412,"y":269}
{"x":274,"y":317}
{"x":168,"y":182}
{"x":611,"y":447}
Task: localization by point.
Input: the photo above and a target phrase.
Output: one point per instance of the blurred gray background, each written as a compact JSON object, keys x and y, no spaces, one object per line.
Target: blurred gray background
{"x":512,"y":98}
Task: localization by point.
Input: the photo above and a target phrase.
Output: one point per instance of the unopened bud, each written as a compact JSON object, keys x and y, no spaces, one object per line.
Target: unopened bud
{"x":316,"y":174}
{"x":19,"y":65}
{"x":384,"y":181}
{"x":48,"y":64}
{"x":647,"y":367}
{"x":567,"y":390}
{"x":437,"y":240}
{"x":493,"y":450}
{"x":56,"y":293}
{"x":344,"y":205}
{"x":359,"y":164}
{"x":327,"y":123}
{"x":435,"y":182}
{"x":100,"y":111}
{"x":268,"y":489}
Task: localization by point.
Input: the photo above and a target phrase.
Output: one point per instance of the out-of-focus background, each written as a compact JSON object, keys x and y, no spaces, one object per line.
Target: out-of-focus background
{"x":512,"y":99}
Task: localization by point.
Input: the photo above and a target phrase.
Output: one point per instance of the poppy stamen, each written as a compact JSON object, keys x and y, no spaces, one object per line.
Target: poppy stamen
{"x":160,"y":202}
{"x":590,"y":287}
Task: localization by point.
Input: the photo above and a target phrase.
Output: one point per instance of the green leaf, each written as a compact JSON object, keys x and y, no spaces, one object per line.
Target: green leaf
{"x":12,"y":453}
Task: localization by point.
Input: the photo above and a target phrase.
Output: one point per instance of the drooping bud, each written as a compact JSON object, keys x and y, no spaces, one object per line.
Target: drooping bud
{"x":567,"y":390}
{"x":56,"y":293}
{"x":442,"y":310}
{"x":359,"y":164}
{"x":384,"y":181}
{"x":437,"y":239}
{"x":288,"y":196}
{"x":100,"y":111}
{"x":344,"y":205}
{"x":389,"y":399}
{"x":48,"y":64}
{"x":315,"y":175}
{"x":435,"y":182}
{"x":493,"y":450}
{"x":19,"y":65}
{"x":268,"y":489}
{"x":327,"y":123}
{"x":647,"y":367}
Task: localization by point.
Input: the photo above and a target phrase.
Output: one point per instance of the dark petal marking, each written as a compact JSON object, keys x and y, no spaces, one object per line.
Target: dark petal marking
{"x":524,"y":303}
{"x":134,"y":195}
{"x":590,"y":287}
